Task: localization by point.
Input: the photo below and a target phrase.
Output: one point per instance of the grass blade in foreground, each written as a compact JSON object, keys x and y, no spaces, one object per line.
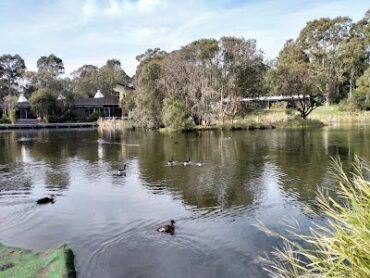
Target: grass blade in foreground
{"x":342,"y":249}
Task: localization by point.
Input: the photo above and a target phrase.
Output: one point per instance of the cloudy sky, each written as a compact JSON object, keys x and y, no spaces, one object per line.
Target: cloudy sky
{"x":92,"y":31}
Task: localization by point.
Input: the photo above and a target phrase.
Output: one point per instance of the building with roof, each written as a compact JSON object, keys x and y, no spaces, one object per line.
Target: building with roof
{"x":83,"y":108}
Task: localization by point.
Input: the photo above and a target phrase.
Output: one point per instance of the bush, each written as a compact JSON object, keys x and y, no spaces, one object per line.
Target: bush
{"x":361,"y":99}
{"x":4,"y":119}
{"x":342,"y":248}
{"x":94,"y":116}
{"x":289,"y":111}
{"x":347,"y":106}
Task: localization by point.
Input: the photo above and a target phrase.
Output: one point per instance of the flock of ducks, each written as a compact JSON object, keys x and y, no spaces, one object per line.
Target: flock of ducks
{"x":188,"y":162}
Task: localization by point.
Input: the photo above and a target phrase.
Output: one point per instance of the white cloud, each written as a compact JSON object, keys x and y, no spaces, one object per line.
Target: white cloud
{"x":89,"y":9}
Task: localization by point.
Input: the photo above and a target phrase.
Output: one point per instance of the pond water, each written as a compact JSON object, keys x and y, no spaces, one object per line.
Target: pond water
{"x":267,"y":176}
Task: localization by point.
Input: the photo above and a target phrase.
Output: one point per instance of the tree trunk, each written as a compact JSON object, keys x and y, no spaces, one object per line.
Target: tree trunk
{"x":351,"y":84}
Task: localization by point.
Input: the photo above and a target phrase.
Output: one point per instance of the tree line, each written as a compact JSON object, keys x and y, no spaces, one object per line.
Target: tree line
{"x":203,"y":82}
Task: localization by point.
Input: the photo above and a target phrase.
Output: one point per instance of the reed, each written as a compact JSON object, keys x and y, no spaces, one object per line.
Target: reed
{"x":340,"y":249}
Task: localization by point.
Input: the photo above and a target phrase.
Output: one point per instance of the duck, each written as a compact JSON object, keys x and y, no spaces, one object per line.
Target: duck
{"x":171,"y":162}
{"x":167,"y":228}
{"x":200,"y":164}
{"x":46,"y":200}
{"x":121,"y":172}
{"x":187,"y":162}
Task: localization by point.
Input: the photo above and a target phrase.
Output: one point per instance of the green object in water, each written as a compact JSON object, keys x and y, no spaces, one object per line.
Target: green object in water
{"x":54,"y":263}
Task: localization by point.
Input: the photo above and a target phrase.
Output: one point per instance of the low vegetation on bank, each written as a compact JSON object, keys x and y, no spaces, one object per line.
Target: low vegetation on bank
{"x":341,"y":247}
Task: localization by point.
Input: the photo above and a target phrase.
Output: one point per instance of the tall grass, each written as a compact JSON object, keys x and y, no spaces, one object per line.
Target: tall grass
{"x":340,"y":249}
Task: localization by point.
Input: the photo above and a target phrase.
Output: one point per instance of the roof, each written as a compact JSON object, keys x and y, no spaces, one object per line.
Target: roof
{"x":123,"y":87}
{"x":24,"y":104}
{"x":22,"y":98}
{"x":97,"y":102}
{"x":98,"y":94}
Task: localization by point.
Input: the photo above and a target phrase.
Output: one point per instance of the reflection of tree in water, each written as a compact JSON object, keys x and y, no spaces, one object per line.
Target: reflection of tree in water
{"x":226,"y":180}
{"x":304,"y":158}
{"x":8,"y":148}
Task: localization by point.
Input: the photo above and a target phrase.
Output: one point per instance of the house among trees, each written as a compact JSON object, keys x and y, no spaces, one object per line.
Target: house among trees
{"x":82,"y":108}
{"x":105,"y":106}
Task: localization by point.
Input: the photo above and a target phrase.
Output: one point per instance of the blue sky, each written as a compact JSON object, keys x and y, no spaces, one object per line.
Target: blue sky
{"x":92,"y":31}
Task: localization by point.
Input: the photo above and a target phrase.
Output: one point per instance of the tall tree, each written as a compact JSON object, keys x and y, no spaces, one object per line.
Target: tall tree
{"x":298,"y":79}
{"x":86,"y":81}
{"x":149,"y":96}
{"x":110,"y":74}
{"x":43,"y":103}
{"x":12,"y":69}
{"x":321,"y":40}
{"x":52,"y":65}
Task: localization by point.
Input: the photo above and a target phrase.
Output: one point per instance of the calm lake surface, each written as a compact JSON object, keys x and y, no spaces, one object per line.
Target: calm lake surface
{"x":110,"y":221}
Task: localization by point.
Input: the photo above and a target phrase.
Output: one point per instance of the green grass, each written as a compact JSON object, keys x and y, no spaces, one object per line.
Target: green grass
{"x":298,"y":123}
{"x":341,"y":249}
{"x":331,"y":114}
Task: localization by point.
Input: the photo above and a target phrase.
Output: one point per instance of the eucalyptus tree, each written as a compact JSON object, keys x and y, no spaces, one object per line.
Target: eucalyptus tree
{"x":12,"y":68}
{"x":149,"y":95}
{"x":242,"y":73}
{"x":298,"y":79}
{"x":85,"y":81}
{"x":50,"y":65}
{"x":322,"y":39}
{"x":110,"y":74}
{"x":355,"y":53}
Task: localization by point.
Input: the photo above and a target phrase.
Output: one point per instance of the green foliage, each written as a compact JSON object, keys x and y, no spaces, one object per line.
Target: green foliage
{"x":94,"y":116}
{"x":43,"y":103}
{"x":4,"y":119}
{"x":298,"y":80}
{"x":173,"y":113}
{"x":50,"y":65}
{"x":109,"y":75}
{"x":346,"y":105}
{"x":340,"y":249}
{"x":85,"y":81}
{"x":361,"y":95}
{"x":11,"y":70}
{"x":148,"y":102}
{"x":10,"y":103}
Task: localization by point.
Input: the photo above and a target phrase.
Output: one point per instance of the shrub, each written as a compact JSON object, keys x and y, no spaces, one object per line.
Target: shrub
{"x":341,"y":249}
{"x":4,"y":119}
{"x":94,"y":116}
{"x":347,"y":106}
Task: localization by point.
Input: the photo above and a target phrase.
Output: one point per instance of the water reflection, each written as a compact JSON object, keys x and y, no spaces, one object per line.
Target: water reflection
{"x":110,"y":220}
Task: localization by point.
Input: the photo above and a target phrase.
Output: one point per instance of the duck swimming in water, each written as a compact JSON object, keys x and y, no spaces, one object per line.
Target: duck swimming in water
{"x":46,"y":200}
{"x":200,"y":164}
{"x":167,"y":228}
{"x":121,"y":172}
{"x":187,"y":162}
{"x":170,"y":162}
